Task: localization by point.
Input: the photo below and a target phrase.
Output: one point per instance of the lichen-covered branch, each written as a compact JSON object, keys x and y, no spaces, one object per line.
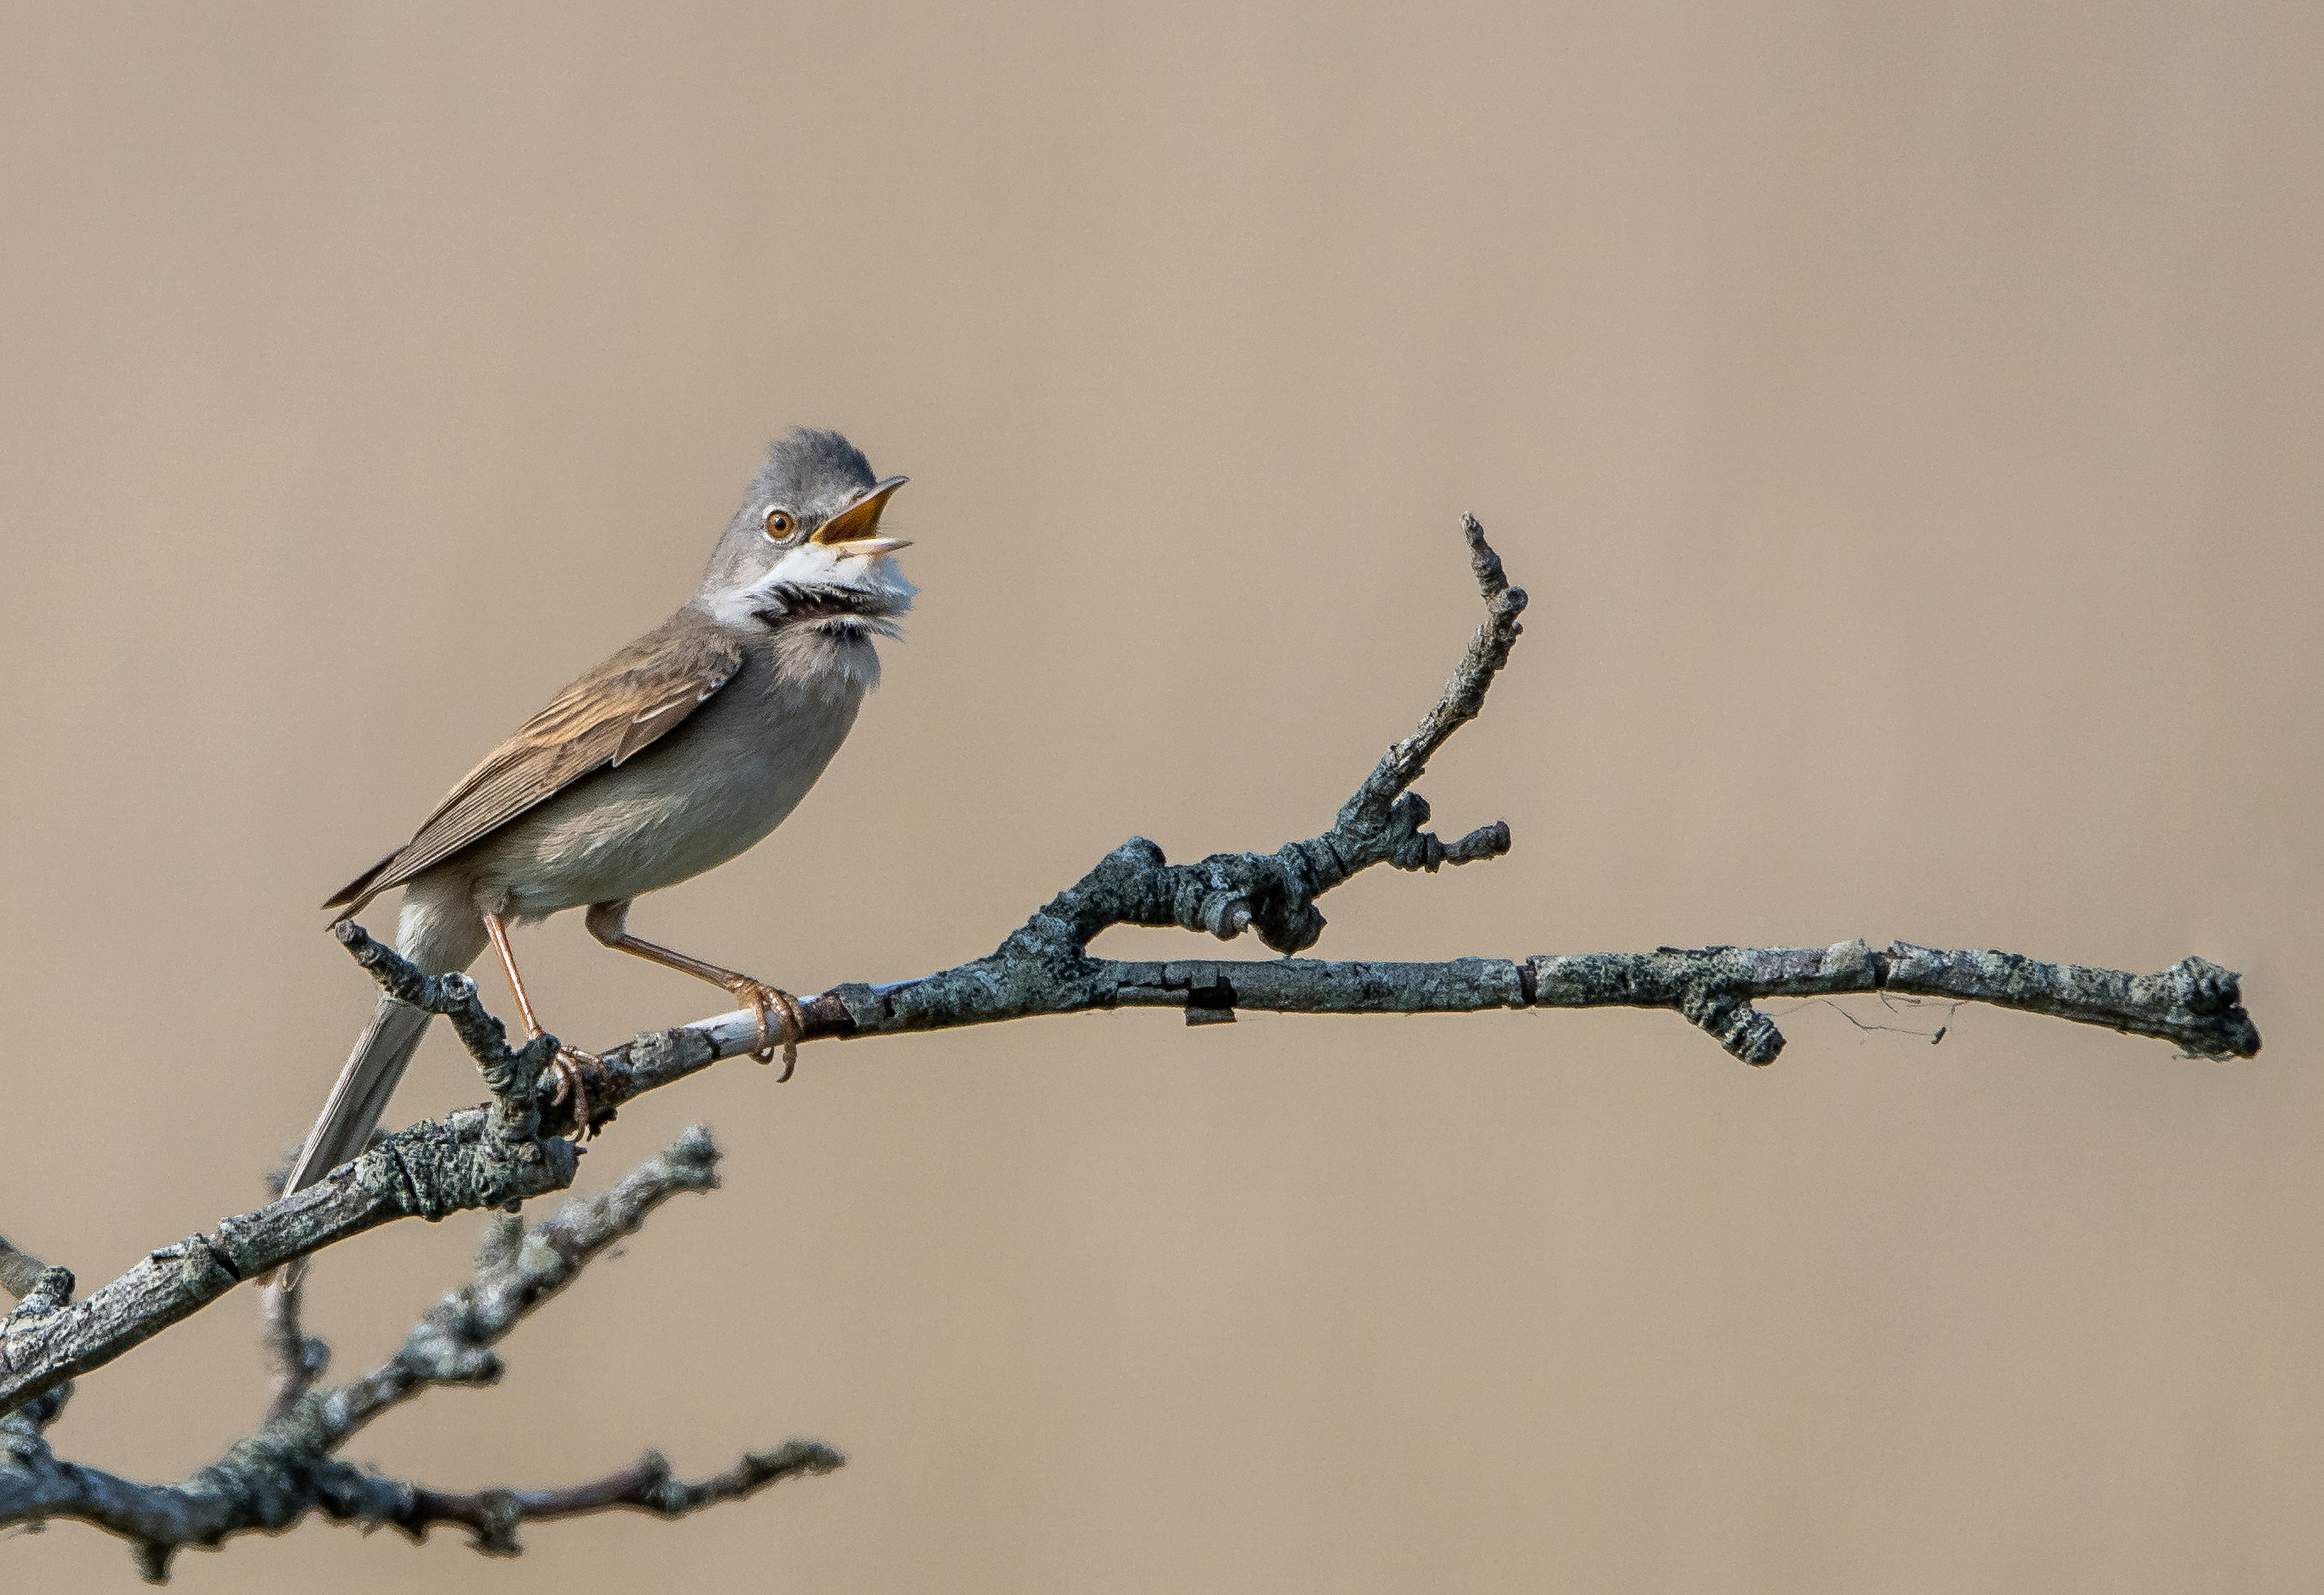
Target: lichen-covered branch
{"x":492,"y":1157}
{"x":2194,"y":1003}
{"x":267,"y":1482}
{"x":427,"y":1171}
{"x":294,"y":1359}
{"x":38,"y":1288}
{"x":646,"y":1485}
{"x":495,"y":1157}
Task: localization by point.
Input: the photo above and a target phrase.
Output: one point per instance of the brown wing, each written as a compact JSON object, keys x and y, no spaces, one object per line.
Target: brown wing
{"x":604,"y":718}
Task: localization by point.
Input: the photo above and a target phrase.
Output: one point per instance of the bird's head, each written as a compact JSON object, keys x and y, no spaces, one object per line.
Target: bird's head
{"x":805,"y":549}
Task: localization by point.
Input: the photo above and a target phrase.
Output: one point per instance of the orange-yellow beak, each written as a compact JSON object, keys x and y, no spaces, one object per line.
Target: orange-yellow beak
{"x":854,"y":530}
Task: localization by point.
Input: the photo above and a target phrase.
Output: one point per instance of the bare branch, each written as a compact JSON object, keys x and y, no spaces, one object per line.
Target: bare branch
{"x":427,"y":1171}
{"x":294,"y":1359}
{"x":39,"y":1290}
{"x":646,"y":1485}
{"x":267,"y":1482}
{"x":2194,"y":1002}
{"x":516,"y":1271}
{"x":19,"y":1270}
{"x":495,"y":1157}
{"x":492,"y":1157}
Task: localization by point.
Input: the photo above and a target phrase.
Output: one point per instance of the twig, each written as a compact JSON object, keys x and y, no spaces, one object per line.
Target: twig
{"x":2194,"y":1002}
{"x":294,"y":1359}
{"x":492,"y":1157}
{"x":267,"y":1482}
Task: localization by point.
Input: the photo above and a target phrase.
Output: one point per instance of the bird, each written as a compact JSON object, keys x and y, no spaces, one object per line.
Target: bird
{"x":678,"y":752}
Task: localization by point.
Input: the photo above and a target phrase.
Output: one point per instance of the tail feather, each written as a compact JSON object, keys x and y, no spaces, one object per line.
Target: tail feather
{"x":356,"y":893}
{"x":361,"y":1094}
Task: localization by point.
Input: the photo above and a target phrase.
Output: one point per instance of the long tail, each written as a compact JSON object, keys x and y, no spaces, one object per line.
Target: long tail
{"x":364,"y":1086}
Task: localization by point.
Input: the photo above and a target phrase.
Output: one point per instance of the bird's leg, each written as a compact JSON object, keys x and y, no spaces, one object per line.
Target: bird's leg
{"x":607,"y":922}
{"x":568,"y":1060}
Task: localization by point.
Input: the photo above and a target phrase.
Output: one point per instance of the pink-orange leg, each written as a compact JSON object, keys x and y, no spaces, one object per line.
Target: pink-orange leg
{"x":568,"y":1059}
{"x":605,"y":922}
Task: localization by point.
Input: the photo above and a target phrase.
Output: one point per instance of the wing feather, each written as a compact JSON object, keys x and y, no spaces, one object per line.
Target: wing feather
{"x":609,"y":715}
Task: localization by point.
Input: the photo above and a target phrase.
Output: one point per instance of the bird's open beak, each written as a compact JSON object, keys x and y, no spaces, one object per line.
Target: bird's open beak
{"x":854,"y":529}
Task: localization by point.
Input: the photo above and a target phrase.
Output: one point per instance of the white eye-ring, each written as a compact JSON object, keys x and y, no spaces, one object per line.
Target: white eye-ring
{"x":780,"y":524}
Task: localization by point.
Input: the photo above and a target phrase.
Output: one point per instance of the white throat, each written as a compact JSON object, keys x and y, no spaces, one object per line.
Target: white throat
{"x":815,"y":575}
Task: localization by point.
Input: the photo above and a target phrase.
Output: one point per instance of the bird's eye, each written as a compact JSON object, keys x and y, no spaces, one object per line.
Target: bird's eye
{"x":780,"y":525}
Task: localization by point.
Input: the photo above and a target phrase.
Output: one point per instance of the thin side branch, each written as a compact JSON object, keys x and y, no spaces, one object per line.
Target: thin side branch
{"x":294,"y":1359}
{"x":495,"y":1157}
{"x":2194,"y":1003}
{"x":267,"y":1482}
{"x":646,"y":1485}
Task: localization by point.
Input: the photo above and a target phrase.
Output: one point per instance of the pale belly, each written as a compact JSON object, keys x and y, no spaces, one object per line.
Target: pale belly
{"x":708,"y":791}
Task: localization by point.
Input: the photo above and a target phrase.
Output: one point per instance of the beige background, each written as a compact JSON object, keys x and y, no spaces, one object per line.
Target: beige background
{"x":1904,"y":419}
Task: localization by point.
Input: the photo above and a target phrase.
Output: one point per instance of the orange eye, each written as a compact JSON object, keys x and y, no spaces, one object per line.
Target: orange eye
{"x":780,"y":525}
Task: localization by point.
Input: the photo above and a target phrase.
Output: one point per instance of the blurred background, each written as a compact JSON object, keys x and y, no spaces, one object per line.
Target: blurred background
{"x":1904,"y":420}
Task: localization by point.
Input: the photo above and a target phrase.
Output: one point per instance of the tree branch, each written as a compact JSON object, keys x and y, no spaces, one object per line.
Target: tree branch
{"x":645,"y":1485}
{"x":294,"y":1360}
{"x":495,"y":1158}
{"x":492,"y":1157}
{"x":267,"y":1482}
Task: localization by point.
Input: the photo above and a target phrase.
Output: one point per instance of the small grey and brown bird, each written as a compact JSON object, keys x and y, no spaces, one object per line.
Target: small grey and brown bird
{"x":671,"y":756}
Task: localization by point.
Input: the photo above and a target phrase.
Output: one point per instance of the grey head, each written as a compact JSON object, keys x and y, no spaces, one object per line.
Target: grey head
{"x":806,"y":548}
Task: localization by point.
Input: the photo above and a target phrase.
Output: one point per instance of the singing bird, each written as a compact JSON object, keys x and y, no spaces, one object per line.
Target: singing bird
{"x":673,"y":756}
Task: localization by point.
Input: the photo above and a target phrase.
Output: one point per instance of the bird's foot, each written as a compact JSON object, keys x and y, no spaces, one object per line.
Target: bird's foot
{"x":771,"y":1001}
{"x":567,"y":1067}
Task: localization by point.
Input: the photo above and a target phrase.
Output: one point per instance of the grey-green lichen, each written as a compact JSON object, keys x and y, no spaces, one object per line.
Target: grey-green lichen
{"x":269,"y":1479}
{"x":2194,"y":1003}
